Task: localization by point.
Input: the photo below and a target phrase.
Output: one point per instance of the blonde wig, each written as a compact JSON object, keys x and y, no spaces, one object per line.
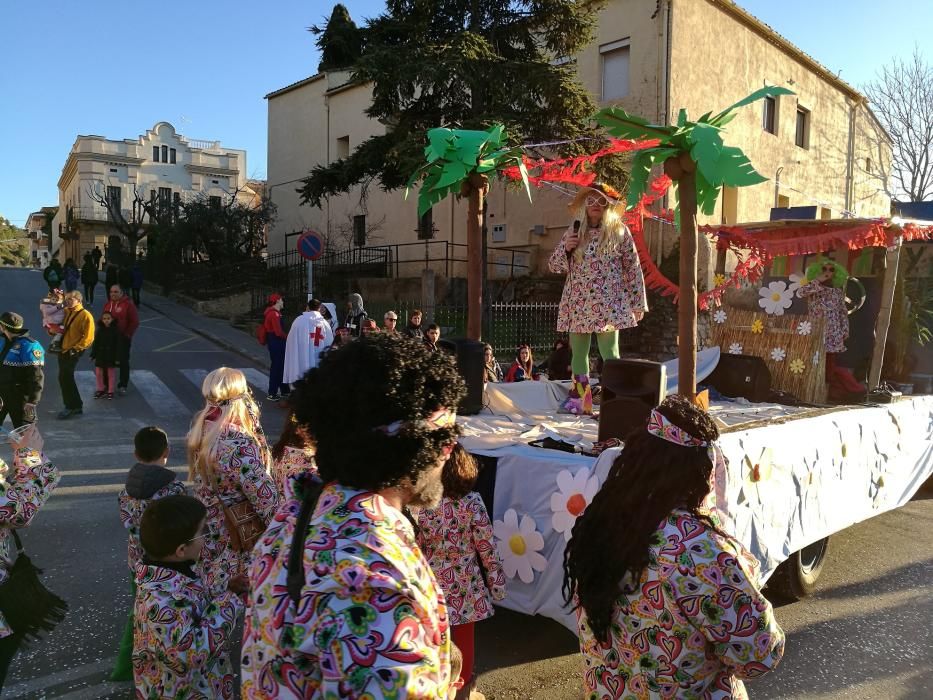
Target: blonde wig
{"x":611,"y":229}
{"x":228,"y":403}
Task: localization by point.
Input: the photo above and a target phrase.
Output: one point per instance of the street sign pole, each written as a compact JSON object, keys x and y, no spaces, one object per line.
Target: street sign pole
{"x":310,"y":279}
{"x":310,"y":246}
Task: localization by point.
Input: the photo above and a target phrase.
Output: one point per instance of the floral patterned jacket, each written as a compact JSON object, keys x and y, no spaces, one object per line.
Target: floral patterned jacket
{"x":695,"y":625}
{"x":828,"y":303}
{"x":241,"y":473}
{"x":371,"y":621}
{"x":603,"y":292}
{"x":131,"y":513}
{"x":180,"y":637}
{"x":293,"y":461}
{"x":22,"y":493}
{"x":456,"y":537}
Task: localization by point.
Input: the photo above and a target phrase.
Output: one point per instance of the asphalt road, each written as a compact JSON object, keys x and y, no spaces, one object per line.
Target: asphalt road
{"x":866,"y":633}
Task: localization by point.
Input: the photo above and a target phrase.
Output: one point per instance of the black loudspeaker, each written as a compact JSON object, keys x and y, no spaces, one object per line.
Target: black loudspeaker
{"x":741,"y":375}
{"x":470,"y":355}
{"x":630,"y":389}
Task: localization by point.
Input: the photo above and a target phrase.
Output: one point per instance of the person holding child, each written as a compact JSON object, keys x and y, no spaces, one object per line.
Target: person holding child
{"x":229,"y":464}
{"x":182,"y":628}
{"x":457,"y":540}
{"x":105,"y":351}
{"x":668,"y":604}
{"x":148,"y":480}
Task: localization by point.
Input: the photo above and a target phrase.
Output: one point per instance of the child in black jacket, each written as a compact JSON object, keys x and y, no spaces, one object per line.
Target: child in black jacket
{"x":106,"y":355}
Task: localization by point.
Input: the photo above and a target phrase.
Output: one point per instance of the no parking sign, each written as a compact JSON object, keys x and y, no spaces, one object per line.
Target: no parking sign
{"x":310,"y":245}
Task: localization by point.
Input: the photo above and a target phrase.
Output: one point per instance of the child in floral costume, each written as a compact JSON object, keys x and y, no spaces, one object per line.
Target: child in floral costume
{"x":668,"y":604}
{"x":457,"y":540}
{"x":229,"y":463}
{"x":605,"y":289}
{"x":344,"y":604}
{"x":181,"y":630}
{"x":292,"y":455}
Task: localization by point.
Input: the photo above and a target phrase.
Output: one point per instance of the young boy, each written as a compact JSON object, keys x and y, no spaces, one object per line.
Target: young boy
{"x":181,"y":633}
{"x":148,"y":480}
{"x":431,"y":336}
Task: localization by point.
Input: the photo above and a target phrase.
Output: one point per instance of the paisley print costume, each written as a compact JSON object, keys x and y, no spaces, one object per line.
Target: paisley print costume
{"x":829,"y":304}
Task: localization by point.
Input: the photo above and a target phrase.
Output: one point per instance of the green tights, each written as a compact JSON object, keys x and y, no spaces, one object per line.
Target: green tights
{"x":608,"y":344}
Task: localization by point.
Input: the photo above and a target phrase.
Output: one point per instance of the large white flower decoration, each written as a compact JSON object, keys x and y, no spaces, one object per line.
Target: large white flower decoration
{"x":775,"y":298}
{"x":519,"y":546}
{"x":719,"y":316}
{"x":796,"y":282}
{"x":735,"y":349}
{"x":575,"y":494}
{"x":778,"y":354}
{"x":804,"y":328}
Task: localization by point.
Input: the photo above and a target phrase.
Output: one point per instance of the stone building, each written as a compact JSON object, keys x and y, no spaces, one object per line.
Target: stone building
{"x":161,"y":166}
{"x":821,"y":147}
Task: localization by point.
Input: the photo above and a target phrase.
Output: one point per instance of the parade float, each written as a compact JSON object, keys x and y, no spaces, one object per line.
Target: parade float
{"x":796,"y":473}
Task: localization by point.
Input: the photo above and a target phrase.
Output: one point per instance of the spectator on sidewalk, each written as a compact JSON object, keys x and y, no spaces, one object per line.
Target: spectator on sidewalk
{"x":97,"y":255}
{"x":22,"y":374}
{"x":136,"y":278}
{"x":111,"y":275}
{"x":125,"y":279}
{"x":431,"y":336}
{"x":492,"y":370}
{"x":148,"y":480}
{"x":357,"y":579}
{"x":275,"y":342}
{"x":71,"y":274}
{"x":413,"y":329}
{"x":356,"y":314}
{"x":308,"y":338}
{"x":524,"y":366}
{"x":390,"y":321}
{"x":53,"y":274}
{"x":106,"y":355}
{"x":89,"y":277}
{"x":124,"y":312}
{"x":78,"y":337}
{"x":52,"y":308}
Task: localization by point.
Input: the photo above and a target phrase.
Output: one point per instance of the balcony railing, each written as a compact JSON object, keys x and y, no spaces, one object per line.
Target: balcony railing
{"x":204,"y":145}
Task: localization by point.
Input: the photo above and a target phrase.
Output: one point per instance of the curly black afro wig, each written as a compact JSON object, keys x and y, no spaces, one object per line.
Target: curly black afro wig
{"x":370,"y":383}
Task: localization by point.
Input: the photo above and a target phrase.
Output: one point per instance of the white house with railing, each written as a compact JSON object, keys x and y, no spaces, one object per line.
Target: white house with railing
{"x":162,"y":166}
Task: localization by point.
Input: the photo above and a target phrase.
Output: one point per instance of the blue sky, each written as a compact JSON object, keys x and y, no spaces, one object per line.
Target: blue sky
{"x":113,"y":68}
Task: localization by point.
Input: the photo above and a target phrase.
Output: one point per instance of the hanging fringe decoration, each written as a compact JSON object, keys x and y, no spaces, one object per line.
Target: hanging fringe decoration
{"x":574,"y":170}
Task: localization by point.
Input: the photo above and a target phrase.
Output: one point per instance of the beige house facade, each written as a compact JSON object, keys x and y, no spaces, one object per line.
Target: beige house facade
{"x":161,"y":165}
{"x":36,"y":226}
{"x":821,"y":147}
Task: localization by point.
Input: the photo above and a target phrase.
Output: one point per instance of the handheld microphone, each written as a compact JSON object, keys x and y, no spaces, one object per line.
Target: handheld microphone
{"x":576,"y":226}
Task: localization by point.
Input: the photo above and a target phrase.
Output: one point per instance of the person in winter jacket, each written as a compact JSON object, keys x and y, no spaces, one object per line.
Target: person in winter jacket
{"x":275,"y":341}
{"x":125,"y":279}
{"x":413,"y":328}
{"x":106,"y":355}
{"x":524,"y":366}
{"x":22,"y":376}
{"x":111,"y":275}
{"x":53,"y":274}
{"x":124,"y":312}
{"x":23,"y":490}
{"x":89,"y":277}
{"x":148,"y":480}
{"x":78,"y":337}
{"x":71,"y":275}
{"x":136,"y":280}
{"x":356,"y":314}
{"x":182,"y":630}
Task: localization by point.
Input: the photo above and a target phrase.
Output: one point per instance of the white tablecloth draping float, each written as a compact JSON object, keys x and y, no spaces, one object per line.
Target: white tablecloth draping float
{"x":818,"y":471}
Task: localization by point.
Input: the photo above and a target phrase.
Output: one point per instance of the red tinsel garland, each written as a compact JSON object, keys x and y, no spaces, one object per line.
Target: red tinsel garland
{"x":574,"y":170}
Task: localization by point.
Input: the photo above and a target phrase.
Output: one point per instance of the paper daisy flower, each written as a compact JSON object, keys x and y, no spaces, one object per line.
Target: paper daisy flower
{"x":576,"y":492}
{"x":775,"y":298}
{"x":796,"y":282}
{"x":778,"y":354}
{"x":797,"y":366}
{"x":719,"y":316}
{"x":804,"y":328}
{"x":719,"y":279}
{"x":519,"y":546}
{"x":757,"y":326}
{"x":735,"y":349}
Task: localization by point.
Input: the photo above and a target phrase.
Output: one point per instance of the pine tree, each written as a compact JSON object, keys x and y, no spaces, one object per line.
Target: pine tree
{"x":340,"y":41}
{"x":467,"y":64}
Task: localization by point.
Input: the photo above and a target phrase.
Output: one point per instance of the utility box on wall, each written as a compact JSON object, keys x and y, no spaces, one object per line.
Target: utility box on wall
{"x":498,"y":233}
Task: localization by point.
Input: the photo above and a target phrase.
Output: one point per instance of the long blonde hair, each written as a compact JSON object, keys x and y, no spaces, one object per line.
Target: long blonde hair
{"x":228,"y":402}
{"x":612,"y":230}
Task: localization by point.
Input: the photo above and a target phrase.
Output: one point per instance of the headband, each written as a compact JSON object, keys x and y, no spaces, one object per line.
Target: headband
{"x":661,"y":427}
{"x":215,"y":408}
{"x":442,"y":418}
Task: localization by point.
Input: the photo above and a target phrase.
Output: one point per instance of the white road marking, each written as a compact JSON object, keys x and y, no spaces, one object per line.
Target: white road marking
{"x":87,"y":386}
{"x":28,"y":688}
{"x":195,"y":376}
{"x":254,"y":377}
{"x":163,"y":402}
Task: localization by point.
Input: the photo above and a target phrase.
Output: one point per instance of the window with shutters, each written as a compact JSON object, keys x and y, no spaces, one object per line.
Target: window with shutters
{"x":615,"y":77}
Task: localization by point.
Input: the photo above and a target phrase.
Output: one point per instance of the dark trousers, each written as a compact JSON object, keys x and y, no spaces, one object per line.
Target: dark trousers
{"x":125,"y":344}
{"x":12,"y":406}
{"x":277,"y":363}
{"x":89,"y":293}
{"x":8,"y":648}
{"x":136,"y":292}
{"x":67,"y":363}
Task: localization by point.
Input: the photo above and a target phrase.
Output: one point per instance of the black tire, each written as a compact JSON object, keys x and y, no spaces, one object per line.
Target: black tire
{"x":796,"y":578}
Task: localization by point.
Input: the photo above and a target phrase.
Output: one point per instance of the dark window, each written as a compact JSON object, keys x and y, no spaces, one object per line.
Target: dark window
{"x":171,"y":156}
{"x":769,"y":115}
{"x":868,"y":166}
{"x":426,"y":226}
{"x":165,"y":201}
{"x":359,"y":230}
{"x":165,"y":154}
{"x":802,"y":134}
{"x":113,"y":170}
{"x":155,"y":153}
{"x":113,"y":200}
{"x":176,"y":205}
{"x":215,"y":202}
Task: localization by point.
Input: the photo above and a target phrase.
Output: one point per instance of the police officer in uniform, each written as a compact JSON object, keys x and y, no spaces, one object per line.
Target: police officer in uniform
{"x":21,"y":373}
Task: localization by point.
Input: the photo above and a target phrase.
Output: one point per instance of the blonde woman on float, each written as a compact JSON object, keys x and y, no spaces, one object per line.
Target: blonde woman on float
{"x":605,"y":289}
{"x":229,"y":461}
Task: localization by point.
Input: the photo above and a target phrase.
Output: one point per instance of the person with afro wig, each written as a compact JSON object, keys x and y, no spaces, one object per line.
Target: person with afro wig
{"x":667,"y":603}
{"x":343,"y":602}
